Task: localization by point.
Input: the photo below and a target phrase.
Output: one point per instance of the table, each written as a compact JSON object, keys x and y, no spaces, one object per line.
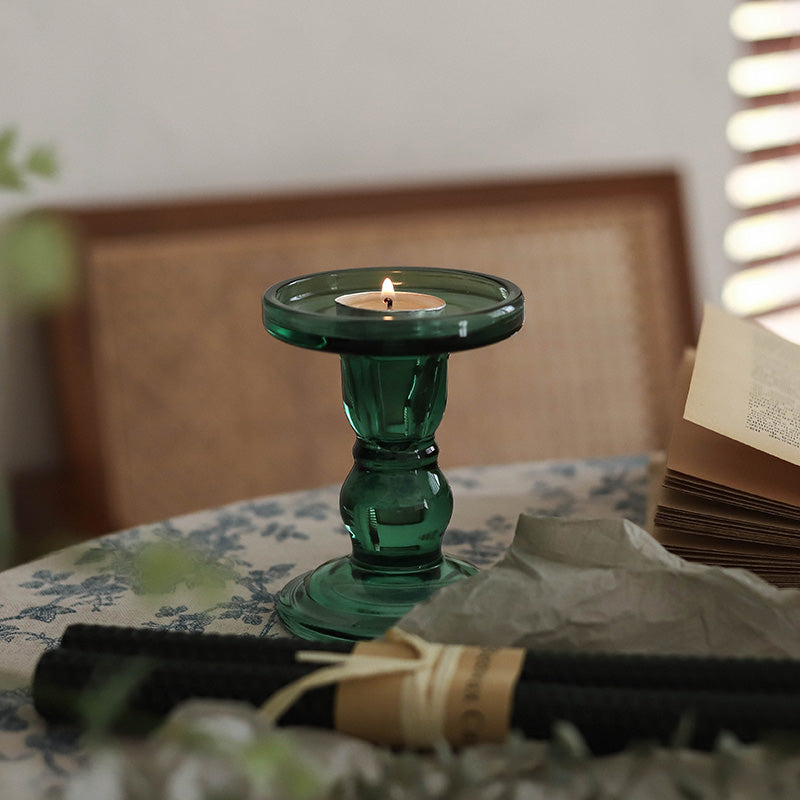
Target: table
{"x":259,"y":544}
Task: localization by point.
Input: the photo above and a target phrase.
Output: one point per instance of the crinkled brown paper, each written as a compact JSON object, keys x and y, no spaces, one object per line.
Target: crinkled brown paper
{"x":608,"y":585}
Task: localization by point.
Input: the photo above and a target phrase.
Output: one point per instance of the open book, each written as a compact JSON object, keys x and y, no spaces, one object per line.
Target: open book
{"x":730,"y":494}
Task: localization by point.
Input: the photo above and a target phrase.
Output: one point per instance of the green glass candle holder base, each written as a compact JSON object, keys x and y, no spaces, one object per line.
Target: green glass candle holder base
{"x":395,"y":503}
{"x":338,"y":601}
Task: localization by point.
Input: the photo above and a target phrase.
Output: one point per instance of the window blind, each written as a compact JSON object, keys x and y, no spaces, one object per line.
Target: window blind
{"x":764,"y":187}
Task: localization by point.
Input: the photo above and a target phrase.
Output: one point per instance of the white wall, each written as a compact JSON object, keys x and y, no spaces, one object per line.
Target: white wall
{"x":155,"y":98}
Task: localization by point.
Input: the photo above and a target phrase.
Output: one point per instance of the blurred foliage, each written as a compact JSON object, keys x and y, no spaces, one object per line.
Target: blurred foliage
{"x":16,"y":171}
{"x":228,"y":750}
{"x":270,"y":762}
{"x":161,"y":567}
{"x":38,"y":269}
{"x":37,"y":248}
{"x":37,"y":259}
{"x":100,"y":706}
{"x":153,"y":567}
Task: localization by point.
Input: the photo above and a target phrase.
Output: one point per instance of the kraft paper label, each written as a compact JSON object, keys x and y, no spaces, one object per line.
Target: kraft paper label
{"x":478,"y":704}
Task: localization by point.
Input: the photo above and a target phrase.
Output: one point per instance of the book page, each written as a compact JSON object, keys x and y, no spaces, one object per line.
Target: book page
{"x":746,"y":385}
{"x":712,"y":460}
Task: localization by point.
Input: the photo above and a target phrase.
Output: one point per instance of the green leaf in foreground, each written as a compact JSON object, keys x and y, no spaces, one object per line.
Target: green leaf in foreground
{"x":38,"y":262}
{"x":8,"y":138}
{"x":162,"y":566}
{"x":10,"y":177}
{"x":42,"y":162}
{"x":100,"y":705}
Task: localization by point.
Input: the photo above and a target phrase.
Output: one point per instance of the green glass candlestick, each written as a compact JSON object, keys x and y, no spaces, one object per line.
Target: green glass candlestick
{"x":396,"y":502}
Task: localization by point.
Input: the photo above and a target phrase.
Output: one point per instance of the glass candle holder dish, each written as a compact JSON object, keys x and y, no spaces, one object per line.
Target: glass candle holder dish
{"x":395,"y":502}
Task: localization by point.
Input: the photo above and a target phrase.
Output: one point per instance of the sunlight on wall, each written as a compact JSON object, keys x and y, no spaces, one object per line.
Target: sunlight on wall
{"x":764,"y":182}
{"x":773,"y":73}
{"x":758,"y":289}
{"x":754,"y":21}
{"x":765,"y":241}
{"x":767,"y":126}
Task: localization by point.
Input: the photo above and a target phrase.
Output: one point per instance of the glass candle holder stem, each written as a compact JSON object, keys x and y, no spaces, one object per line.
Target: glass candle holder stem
{"x":395,"y":502}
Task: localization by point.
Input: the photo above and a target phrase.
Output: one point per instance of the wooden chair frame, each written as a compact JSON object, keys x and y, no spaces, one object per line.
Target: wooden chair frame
{"x":76,"y":349}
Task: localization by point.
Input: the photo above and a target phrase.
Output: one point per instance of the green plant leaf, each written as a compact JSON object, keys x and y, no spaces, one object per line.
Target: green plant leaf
{"x":682,"y":735}
{"x":42,"y":161}
{"x":8,"y":138}
{"x":269,"y":761}
{"x":101,"y":704}
{"x":10,"y":176}
{"x":570,"y":741}
{"x":92,"y":556}
{"x":162,"y":566}
{"x":728,"y":759}
{"x":38,"y":262}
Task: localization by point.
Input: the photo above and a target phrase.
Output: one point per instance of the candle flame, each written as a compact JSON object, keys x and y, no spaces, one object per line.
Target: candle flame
{"x":387,"y":290}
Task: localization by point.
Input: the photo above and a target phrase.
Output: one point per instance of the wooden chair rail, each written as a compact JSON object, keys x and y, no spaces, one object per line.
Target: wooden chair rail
{"x":174,"y":398}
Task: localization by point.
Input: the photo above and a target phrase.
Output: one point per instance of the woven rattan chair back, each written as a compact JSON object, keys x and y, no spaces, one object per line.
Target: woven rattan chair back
{"x":174,"y":398}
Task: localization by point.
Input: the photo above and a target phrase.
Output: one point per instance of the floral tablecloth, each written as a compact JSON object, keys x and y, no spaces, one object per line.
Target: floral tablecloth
{"x":258,"y":545}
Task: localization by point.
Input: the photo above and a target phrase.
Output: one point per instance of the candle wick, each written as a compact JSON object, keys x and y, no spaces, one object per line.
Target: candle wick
{"x":389,"y":302}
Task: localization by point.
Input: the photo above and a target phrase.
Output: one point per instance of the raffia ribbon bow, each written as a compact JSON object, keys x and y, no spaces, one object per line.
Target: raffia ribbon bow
{"x":424,"y":690}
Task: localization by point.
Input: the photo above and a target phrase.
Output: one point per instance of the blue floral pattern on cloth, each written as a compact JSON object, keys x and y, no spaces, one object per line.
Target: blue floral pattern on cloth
{"x":258,"y":545}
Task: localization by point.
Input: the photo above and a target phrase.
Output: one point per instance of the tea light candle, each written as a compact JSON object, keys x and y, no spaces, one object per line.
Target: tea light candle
{"x":389,"y":300}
